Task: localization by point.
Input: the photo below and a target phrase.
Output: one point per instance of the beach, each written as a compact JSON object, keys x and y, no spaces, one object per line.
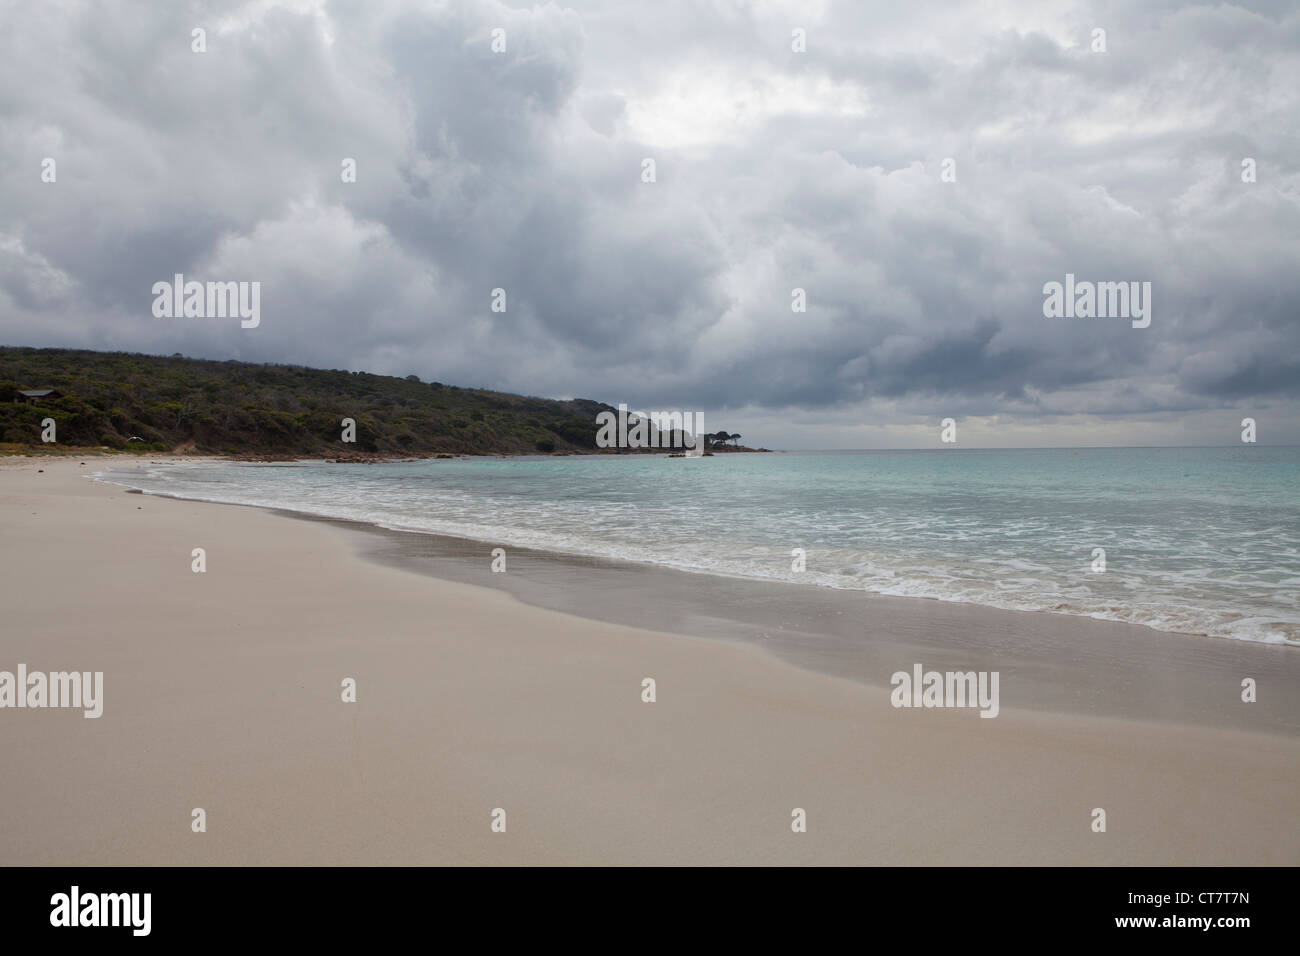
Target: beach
{"x":223,"y":691}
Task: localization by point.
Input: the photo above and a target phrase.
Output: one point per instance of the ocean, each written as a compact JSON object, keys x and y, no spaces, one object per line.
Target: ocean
{"x":1195,"y":540}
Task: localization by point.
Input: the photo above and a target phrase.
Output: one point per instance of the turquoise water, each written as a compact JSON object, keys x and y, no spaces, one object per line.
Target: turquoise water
{"x":1199,"y":540}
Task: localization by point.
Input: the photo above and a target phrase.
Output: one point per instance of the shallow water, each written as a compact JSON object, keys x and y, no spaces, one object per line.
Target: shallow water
{"x":1196,"y":540}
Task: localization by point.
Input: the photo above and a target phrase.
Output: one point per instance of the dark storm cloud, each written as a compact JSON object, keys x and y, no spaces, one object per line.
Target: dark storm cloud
{"x":775,"y":170}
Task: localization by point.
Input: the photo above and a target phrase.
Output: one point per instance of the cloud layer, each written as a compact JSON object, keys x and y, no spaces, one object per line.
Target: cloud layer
{"x":775,"y":169}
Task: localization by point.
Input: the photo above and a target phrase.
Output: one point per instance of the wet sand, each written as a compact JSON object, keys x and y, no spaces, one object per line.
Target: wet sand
{"x":1050,"y":662}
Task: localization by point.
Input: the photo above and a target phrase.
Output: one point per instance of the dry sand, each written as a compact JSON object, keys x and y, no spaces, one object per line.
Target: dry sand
{"x":222,"y":691}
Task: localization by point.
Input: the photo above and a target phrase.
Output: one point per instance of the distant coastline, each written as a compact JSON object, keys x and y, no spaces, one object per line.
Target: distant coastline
{"x":83,"y":400}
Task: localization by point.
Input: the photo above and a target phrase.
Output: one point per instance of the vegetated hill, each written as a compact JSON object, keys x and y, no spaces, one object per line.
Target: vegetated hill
{"x":241,"y":408}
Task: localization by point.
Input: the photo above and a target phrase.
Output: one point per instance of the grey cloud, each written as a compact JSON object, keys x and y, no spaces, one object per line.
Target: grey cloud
{"x":776,"y":170}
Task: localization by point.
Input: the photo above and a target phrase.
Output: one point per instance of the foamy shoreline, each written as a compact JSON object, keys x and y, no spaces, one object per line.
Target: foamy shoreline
{"x":900,"y":576}
{"x":221,"y":691}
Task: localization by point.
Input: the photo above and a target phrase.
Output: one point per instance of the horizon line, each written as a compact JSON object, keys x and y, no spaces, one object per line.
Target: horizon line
{"x":1032,"y":447}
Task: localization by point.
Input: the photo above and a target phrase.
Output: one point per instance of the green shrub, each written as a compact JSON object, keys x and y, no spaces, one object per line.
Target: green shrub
{"x":243,"y":407}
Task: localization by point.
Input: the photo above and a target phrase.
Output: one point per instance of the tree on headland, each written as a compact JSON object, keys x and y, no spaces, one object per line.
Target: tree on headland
{"x":721,"y":438}
{"x":245,"y":408}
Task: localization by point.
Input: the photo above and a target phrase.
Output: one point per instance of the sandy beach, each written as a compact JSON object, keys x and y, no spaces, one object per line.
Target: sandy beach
{"x":222,"y":691}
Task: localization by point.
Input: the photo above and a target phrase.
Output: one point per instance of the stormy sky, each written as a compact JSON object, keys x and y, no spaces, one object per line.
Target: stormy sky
{"x":775,"y":169}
